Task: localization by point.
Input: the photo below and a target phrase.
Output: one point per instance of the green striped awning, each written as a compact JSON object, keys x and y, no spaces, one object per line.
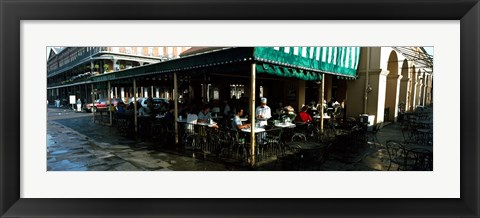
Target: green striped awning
{"x":308,"y":62}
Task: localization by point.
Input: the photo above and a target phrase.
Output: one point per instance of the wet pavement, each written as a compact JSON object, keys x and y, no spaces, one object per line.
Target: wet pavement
{"x":76,"y":143}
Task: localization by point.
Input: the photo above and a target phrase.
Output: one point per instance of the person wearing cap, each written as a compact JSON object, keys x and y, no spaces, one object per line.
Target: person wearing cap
{"x":263,"y":112}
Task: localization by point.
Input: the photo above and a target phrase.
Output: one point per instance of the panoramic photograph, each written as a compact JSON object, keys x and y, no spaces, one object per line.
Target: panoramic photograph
{"x":239,"y":108}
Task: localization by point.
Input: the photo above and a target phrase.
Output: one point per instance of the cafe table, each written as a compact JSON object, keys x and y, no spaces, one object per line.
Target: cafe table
{"x":324,"y":117}
{"x":256,"y":129}
{"x":308,"y":152}
{"x":207,"y":124}
{"x":285,"y":125}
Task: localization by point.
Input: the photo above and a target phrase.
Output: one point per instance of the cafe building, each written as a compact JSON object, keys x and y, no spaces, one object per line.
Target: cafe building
{"x":377,"y":81}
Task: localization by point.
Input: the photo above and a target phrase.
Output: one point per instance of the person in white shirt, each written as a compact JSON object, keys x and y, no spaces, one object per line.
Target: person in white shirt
{"x":191,"y":121}
{"x":204,"y":115}
{"x":237,"y":123}
{"x":263,"y":112}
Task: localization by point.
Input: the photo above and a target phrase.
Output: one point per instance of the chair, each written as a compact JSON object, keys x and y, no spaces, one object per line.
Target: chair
{"x":372,"y":135}
{"x":399,"y":155}
{"x":238,"y":145}
{"x":273,"y":144}
{"x":423,"y":159}
{"x":300,"y":131}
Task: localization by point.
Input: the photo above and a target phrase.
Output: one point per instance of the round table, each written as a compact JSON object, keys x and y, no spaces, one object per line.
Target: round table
{"x":256,"y":129}
{"x":285,"y":125}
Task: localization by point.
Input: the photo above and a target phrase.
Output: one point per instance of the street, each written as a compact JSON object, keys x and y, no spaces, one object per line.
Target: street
{"x":75,"y":143}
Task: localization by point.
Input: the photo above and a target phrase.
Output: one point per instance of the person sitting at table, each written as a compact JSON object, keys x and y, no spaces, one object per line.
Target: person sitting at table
{"x":192,"y":119}
{"x":226,"y":109}
{"x":162,"y":108}
{"x":121,"y":107}
{"x":169,"y":115}
{"x":204,"y":115}
{"x":263,"y":112}
{"x":237,"y":123}
{"x":303,"y":116}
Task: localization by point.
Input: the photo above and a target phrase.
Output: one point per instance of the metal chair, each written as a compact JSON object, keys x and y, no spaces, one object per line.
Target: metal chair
{"x":399,"y":155}
{"x":423,"y":159}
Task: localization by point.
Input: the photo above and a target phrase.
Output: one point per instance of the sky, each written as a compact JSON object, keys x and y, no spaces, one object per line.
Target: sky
{"x":429,"y":50}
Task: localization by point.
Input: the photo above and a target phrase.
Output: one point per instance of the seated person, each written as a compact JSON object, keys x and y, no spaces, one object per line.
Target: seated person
{"x":169,"y":115}
{"x":237,"y":123}
{"x":303,"y":116}
{"x":112,"y":108}
{"x":191,"y":121}
{"x":204,"y":115}
{"x":162,"y":108}
{"x":121,"y":107}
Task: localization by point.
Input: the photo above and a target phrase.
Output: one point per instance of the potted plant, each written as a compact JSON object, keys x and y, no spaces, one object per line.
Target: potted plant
{"x":106,"y":68}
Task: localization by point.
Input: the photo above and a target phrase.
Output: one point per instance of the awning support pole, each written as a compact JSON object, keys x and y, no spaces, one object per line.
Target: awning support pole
{"x":367,"y":82}
{"x":110,"y":101}
{"x":93,"y":103}
{"x":321,"y":103}
{"x":252,"y":115}
{"x":175,"y":103}
{"x":135,"y":105}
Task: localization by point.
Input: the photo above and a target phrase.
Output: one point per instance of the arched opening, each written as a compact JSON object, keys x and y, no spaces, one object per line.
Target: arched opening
{"x":392,"y":89}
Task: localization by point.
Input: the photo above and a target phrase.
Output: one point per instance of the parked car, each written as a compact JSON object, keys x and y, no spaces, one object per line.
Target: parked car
{"x":101,"y":104}
{"x":156,"y":102}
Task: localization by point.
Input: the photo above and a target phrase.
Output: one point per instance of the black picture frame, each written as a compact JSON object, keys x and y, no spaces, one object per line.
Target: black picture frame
{"x":12,"y":12}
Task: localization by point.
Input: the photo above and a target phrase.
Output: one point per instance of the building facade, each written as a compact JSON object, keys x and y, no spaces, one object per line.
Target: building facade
{"x":387,"y":81}
{"x":69,"y":68}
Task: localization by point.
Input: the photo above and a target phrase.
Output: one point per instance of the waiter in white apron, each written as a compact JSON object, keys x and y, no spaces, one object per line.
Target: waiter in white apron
{"x":263,"y":112}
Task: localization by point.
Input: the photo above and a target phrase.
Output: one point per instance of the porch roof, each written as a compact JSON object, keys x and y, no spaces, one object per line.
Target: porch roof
{"x":306,"y":63}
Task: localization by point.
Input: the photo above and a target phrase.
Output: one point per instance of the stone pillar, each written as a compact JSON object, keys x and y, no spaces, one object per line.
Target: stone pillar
{"x":418,"y":92}
{"x":413,"y":92}
{"x":114,"y":65}
{"x":376,"y":98}
{"x":425,"y":81}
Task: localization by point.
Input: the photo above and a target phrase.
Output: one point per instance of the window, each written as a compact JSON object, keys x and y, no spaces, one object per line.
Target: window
{"x":150,"y":51}
{"x":160,"y":52}
{"x":170,"y":52}
{"x":236,"y":90}
{"x":128,"y":50}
